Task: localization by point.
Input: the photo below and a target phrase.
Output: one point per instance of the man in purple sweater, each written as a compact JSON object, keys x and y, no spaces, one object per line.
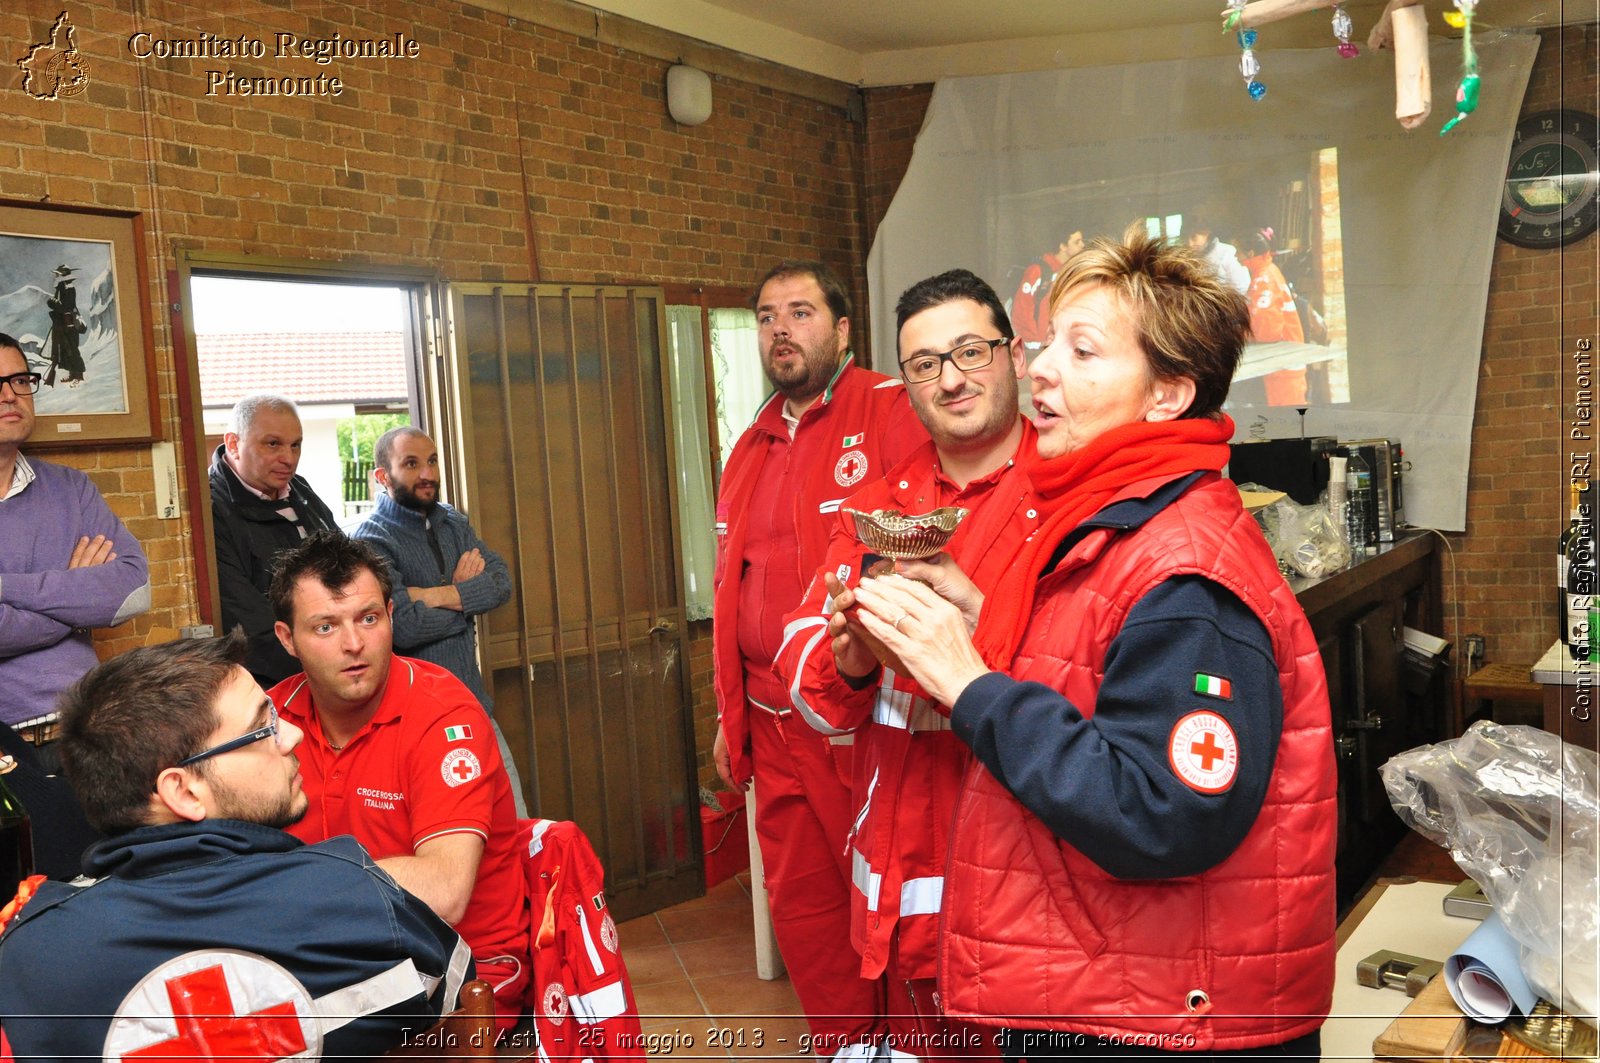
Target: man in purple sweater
{"x":66,"y":565}
{"x":66,"y":562}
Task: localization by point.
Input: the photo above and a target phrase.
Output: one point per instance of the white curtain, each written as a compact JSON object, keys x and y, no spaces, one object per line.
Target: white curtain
{"x":695,"y":502}
{"x":742,"y":385}
{"x":1006,"y":166}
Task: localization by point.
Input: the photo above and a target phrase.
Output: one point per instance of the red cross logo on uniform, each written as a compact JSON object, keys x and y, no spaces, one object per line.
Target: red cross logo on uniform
{"x":208,"y":1027}
{"x":851,"y":469}
{"x":1207,"y":750}
{"x":1203,"y":752}
{"x":460,"y":766}
{"x":215,"y":1004}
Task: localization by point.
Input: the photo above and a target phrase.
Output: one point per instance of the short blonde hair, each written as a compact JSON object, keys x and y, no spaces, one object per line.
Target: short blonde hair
{"x":1188,"y":321}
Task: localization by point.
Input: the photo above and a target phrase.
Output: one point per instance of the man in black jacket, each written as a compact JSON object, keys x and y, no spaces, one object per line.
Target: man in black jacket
{"x":259,"y":508}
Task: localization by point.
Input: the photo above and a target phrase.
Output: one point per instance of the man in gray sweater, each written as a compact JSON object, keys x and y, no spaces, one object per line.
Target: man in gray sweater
{"x":443,"y":574}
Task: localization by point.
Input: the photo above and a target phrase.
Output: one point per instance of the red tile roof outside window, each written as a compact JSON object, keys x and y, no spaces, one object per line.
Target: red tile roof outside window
{"x":363,"y":368}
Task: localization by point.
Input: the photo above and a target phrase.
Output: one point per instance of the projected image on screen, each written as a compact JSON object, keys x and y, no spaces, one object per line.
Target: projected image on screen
{"x":1268,"y":226}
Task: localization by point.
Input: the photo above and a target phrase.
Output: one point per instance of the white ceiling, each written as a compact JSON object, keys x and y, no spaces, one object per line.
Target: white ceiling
{"x":890,"y":42}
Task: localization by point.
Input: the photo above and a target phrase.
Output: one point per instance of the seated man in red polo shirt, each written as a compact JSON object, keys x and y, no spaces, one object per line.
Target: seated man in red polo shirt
{"x":399,"y":753}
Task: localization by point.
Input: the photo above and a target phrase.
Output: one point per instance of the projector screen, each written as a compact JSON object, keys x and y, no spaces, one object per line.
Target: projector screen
{"x":1270,"y":225}
{"x":1364,"y":249}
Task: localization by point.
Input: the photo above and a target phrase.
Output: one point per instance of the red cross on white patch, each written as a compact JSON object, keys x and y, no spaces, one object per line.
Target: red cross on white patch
{"x":850,"y":469}
{"x":216,"y":1003}
{"x":460,"y":766}
{"x":555,"y":1003}
{"x":1204,"y":752}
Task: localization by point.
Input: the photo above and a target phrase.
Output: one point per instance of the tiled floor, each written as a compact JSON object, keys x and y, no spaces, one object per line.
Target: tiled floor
{"x":693,"y":969}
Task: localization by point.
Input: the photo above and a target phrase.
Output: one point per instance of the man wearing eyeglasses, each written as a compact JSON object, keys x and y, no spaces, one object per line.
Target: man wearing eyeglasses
{"x":66,"y":562}
{"x":176,"y":945}
{"x":961,"y":362}
{"x":67,"y":565}
{"x":400,"y":754}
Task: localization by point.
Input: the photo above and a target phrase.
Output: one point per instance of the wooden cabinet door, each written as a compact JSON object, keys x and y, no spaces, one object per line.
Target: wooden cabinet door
{"x":1369,"y":725}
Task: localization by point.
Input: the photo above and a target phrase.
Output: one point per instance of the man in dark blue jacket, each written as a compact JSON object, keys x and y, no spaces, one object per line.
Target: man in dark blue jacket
{"x":203,"y":929}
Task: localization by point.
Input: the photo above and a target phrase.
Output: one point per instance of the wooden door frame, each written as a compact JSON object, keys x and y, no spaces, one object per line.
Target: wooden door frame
{"x":708,"y":297}
{"x":420,"y":282}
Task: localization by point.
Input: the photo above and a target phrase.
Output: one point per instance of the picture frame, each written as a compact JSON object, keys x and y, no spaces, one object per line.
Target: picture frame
{"x":74,"y":291}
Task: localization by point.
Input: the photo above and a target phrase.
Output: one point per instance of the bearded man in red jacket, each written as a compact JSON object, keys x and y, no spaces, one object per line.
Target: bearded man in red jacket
{"x":829,"y":427}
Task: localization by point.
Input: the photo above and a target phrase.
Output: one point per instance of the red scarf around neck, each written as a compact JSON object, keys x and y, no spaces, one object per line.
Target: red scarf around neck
{"x":1074,"y":487}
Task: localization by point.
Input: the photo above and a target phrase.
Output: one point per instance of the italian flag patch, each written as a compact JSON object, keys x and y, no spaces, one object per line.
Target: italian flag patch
{"x":457,"y":734}
{"x":1213,"y":686}
{"x":853,"y":441}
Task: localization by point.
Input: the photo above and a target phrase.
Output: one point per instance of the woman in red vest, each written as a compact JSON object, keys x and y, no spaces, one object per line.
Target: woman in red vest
{"x":1142,"y":854}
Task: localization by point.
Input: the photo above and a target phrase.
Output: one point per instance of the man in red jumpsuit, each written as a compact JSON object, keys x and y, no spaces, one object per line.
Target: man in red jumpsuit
{"x":830,"y":427}
{"x":961,"y":363}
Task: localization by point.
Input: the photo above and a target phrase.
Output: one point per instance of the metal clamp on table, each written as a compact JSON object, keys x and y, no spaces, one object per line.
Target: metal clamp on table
{"x":1396,"y":970}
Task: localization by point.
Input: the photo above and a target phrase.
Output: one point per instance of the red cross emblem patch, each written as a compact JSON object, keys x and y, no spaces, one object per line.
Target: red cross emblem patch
{"x":216,"y":1004}
{"x":460,"y":766}
{"x":1204,"y":752}
{"x":850,"y":469}
{"x":555,"y":1003}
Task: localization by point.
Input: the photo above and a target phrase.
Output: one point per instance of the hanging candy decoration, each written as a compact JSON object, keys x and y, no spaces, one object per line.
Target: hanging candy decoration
{"x":1342,"y":27}
{"x":1249,"y":65}
{"x":1467,"y":91}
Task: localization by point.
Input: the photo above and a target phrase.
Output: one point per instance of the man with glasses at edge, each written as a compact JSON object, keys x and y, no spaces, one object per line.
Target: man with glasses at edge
{"x":960,"y":361}
{"x":67,"y":565}
{"x":174,"y":944}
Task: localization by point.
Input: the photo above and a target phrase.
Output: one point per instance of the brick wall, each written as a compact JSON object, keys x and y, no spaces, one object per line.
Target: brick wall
{"x":508,"y":149}
{"x":701,"y":675}
{"x":1541,"y":303}
{"x":894,"y":117}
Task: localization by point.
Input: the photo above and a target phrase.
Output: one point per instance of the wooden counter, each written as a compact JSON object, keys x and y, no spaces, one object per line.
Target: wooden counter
{"x":1409,"y":561}
{"x":1380,"y":707}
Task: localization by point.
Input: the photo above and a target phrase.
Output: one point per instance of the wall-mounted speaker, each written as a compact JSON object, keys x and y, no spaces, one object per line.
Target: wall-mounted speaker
{"x":688,"y":95}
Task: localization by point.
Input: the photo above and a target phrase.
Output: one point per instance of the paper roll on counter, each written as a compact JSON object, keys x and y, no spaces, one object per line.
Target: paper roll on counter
{"x":1485,"y":977}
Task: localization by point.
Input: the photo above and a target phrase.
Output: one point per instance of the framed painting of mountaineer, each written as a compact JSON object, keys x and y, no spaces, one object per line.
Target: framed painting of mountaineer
{"x":73,"y":293}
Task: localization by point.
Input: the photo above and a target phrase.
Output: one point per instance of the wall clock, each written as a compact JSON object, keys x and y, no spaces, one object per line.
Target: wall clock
{"x":1551,"y":196}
